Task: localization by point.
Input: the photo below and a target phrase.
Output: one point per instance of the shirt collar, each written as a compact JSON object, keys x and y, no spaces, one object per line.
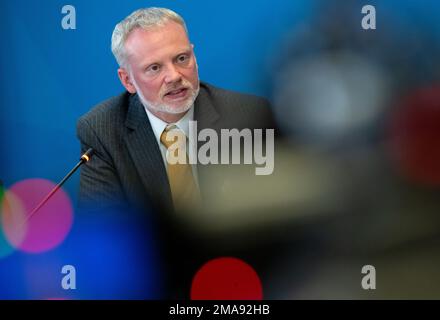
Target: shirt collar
{"x":158,"y":125}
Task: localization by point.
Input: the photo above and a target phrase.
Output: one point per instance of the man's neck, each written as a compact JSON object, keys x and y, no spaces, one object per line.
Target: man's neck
{"x":168,"y":117}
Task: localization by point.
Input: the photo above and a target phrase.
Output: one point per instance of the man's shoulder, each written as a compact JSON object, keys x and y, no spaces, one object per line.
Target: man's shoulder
{"x":110,"y":110}
{"x":238,"y":109}
{"x":230,"y":97}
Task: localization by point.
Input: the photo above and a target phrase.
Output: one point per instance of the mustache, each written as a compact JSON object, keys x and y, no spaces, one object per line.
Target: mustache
{"x":180,"y":85}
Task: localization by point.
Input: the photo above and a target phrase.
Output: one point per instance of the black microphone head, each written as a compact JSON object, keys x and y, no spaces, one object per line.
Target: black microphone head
{"x":87,"y":155}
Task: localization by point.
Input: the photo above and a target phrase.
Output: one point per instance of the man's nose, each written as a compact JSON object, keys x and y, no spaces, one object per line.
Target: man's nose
{"x":172,"y":74}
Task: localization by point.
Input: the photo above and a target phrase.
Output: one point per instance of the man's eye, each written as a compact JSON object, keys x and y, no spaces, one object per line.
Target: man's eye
{"x":153,"y":68}
{"x":182,"y":58}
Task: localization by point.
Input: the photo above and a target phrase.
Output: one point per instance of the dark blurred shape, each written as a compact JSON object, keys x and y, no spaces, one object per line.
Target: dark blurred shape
{"x":330,"y":99}
{"x":334,"y":82}
{"x":335,"y":89}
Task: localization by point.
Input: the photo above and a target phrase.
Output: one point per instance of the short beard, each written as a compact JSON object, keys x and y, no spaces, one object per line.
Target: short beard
{"x":165,"y":108}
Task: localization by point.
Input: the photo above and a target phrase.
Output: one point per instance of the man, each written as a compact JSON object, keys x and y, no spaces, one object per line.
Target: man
{"x":158,"y":68}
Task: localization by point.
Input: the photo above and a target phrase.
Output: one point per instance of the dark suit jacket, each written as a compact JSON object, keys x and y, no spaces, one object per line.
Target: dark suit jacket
{"x":127,"y":166}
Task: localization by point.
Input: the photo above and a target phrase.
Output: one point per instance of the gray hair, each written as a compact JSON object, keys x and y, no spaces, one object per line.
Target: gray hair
{"x":147,"y":18}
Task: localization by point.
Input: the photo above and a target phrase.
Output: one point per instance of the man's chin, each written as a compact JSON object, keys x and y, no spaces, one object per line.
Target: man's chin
{"x":172,"y":109}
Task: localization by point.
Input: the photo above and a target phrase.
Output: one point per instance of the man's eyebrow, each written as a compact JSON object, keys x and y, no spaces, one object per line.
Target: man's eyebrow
{"x":146,"y":64}
{"x":151,"y":62}
{"x":186,"y":51}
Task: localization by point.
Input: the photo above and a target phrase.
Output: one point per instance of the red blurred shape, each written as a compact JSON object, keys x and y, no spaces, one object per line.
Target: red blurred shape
{"x":226,"y":279}
{"x":415,"y":136}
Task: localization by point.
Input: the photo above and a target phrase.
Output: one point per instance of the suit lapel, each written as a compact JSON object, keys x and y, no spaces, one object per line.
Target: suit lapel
{"x":145,"y":153}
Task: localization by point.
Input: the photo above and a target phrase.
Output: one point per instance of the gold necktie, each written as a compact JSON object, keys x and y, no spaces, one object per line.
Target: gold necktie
{"x":180,"y":176}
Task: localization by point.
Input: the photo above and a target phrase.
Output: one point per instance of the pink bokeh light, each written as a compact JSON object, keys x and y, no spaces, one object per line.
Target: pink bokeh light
{"x":47,"y":228}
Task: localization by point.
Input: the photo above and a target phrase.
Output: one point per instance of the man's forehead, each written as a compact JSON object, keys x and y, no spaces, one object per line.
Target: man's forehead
{"x":153,"y":43}
{"x":170,"y":32}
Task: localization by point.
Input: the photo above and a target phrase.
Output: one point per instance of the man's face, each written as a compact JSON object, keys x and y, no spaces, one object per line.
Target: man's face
{"x":162,"y":68}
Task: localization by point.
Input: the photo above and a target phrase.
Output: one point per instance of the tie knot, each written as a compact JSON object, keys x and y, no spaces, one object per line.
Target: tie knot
{"x":170,"y":134}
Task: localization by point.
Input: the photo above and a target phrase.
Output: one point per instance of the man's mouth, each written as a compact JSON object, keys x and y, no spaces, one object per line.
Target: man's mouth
{"x":178,"y":93}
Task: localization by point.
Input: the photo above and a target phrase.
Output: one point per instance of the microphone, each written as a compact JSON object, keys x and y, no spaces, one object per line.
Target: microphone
{"x":84,"y":158}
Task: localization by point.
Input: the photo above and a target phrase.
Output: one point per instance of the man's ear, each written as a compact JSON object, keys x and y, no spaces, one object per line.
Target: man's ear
{"x":124,"y":76}
{"x":194,"y":55}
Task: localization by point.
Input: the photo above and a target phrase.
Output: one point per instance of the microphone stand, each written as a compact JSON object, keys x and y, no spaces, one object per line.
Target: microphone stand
{"x":84,"y":158}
